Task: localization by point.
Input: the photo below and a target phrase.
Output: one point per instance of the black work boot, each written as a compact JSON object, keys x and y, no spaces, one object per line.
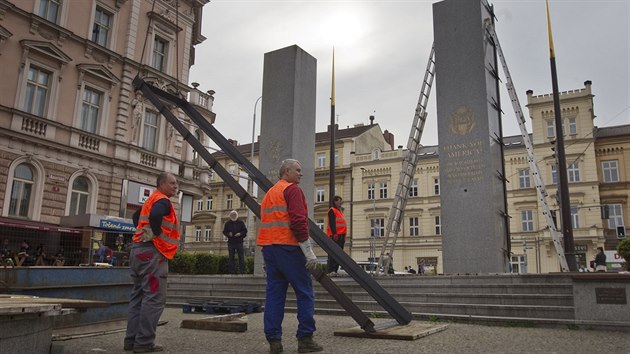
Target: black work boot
{"x":308,"y":345}
{"x":275,"y":346}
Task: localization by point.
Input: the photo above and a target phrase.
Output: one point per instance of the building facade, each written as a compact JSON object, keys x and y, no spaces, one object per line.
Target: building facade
{"x":369,"y":170}
{"x":79,"y":149}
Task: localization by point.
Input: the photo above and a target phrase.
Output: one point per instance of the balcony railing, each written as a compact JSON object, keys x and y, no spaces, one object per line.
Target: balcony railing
{"x":34,"y":126}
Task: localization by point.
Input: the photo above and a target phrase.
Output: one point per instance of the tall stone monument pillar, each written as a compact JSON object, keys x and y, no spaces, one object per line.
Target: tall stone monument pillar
{"x":472,"y":191}
{"x":288,"y":118}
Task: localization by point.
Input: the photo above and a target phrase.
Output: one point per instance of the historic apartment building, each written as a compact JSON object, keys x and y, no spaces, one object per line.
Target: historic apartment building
{"x":368,"y":173}
{"x":78,"y":148}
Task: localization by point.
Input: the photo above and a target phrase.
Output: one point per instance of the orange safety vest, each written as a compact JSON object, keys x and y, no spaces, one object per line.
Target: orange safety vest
{"x":168,"y":240}
{"x":274,"y":218}
{"x":340,"y":223}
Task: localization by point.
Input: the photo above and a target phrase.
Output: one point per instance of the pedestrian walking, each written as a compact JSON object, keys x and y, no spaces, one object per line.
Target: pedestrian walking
{"x":235,"y":231}
{"x":336,"y":229}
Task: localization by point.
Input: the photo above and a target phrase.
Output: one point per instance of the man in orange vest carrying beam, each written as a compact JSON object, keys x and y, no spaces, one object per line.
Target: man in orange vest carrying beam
{"x":336,"y":229}
{"x":154,"y":243}
{"x":283,"y":232}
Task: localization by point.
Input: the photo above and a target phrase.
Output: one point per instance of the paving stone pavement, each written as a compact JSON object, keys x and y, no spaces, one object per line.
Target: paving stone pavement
{"x":457,"y":338}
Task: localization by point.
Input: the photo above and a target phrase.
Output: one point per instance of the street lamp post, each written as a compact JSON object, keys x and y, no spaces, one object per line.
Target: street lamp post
{"x":373,"y":221}
{"x":250,"y":183}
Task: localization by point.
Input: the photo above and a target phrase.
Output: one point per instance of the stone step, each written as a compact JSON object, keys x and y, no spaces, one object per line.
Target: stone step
{"x":421,"y":297}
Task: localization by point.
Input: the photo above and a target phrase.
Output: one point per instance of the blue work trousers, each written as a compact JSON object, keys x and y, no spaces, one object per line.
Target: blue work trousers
{"x":285,"y":265}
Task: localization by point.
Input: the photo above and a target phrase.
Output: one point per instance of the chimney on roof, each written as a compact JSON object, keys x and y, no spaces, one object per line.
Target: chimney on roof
{"x":371,"y":120}
{"x":233,"y":142}
{"x":389,"y":138}
{"x":336,"y":127}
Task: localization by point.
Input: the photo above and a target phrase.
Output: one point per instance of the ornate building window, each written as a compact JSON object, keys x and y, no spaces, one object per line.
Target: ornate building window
{"x":523,"y":179}
{"x":610,"y":171}
{"x":22,"y":191}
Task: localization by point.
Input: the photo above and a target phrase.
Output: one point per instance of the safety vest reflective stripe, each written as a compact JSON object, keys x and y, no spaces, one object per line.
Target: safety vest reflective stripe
{"x":269,"y":225}
{"x":275,"y":208}
{"x":167,"y":239}
{"x":164,"y":223}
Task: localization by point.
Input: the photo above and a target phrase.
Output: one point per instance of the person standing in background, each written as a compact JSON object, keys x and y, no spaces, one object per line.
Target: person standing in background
{"x":235,"y":231}
{"x":336,"y":229}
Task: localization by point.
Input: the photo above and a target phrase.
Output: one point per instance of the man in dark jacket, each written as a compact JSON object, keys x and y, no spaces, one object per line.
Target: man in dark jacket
{"x":235,"y":231}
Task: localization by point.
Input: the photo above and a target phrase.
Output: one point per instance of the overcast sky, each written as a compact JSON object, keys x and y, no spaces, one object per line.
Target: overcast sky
{"x":381,"y":52}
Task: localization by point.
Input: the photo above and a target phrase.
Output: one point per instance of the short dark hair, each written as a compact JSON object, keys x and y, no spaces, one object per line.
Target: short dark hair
{"x":162,"y":178}
{"x":337,"y":198}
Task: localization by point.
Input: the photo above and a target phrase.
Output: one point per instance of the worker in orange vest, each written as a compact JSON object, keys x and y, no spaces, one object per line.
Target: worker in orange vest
{"x":282,"y":233}
{"x":336,"y":229}
{"x":154,"y":243}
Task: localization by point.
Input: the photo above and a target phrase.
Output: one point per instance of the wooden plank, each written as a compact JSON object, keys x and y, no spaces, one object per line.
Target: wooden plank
{"x":412,"y":331}
{"x":65,"y":303}
{"x":24,"y":308}
{"x":225,"y":323}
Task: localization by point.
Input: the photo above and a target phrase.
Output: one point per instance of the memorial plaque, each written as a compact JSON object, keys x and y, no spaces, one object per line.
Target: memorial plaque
{"x":610,"y":296}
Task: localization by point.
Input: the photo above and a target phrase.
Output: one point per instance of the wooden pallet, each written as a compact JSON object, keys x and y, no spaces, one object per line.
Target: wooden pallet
{"x":221,"y":307}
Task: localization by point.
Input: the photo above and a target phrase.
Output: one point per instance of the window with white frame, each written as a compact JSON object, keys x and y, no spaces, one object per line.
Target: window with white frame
{"x":49,"y":9}
{"x":551,"y":128}
{"x":438,"y":225}
{"x":336,"y":158}
{"x":413,"y":188}
{"x":383,"y":190}
{"x":378,"y":227}
{"x":22,"y":191}
{"x":610,"y":171}
{"x":199,"y":204}
{"x":554,"y":174}
{"x":575,"y":217}
{"x":160,"y":52}
{"x":150,"y":131}
{"x":436,"y":186}
{"x":90,"y":110}
{"x":370,"y":190}
{"x":518,"y":264}
{"x":101,"y":29}
{"x":321,"y":159}
{"x":79,"y":196}
{"x":523,"y":179}
{"x":37,"y":90}
{"x":320,"y":223}
{"x":572,"y":126}
{"x":319,"y":194}
{"x":527,"y":220}
{"x":229,"y":201}
{"x":414,"y":226}
{"x":574,"y":172}
{"x":207,"y":233}
{"x":197,"y":233}
{"x":615,"y":216}
{"x":209,"y":203}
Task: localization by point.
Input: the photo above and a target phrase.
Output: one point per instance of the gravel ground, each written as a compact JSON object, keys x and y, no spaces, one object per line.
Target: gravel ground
{"x":457,"y":338}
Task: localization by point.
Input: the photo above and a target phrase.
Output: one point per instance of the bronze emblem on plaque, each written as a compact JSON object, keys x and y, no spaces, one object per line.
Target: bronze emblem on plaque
{"x":462,"y":121}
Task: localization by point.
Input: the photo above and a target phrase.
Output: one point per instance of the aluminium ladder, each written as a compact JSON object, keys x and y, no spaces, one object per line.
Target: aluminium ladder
{"x":408,"y":168}
{"x":533,"y":164}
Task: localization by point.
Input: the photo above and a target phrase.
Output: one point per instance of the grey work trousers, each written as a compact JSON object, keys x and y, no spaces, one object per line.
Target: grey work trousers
{"x":149,"y":269}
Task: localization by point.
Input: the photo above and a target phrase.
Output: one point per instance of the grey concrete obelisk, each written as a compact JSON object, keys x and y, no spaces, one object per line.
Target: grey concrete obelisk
{"x":288,"y":118}
{"x":472,"y":191}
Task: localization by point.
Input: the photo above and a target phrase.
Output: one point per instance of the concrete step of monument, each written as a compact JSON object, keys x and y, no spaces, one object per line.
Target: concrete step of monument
{"x":478,"y":288}
{"x":554,"y":278}
{"x":466,"y":298}
{"x":524,"y":311}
